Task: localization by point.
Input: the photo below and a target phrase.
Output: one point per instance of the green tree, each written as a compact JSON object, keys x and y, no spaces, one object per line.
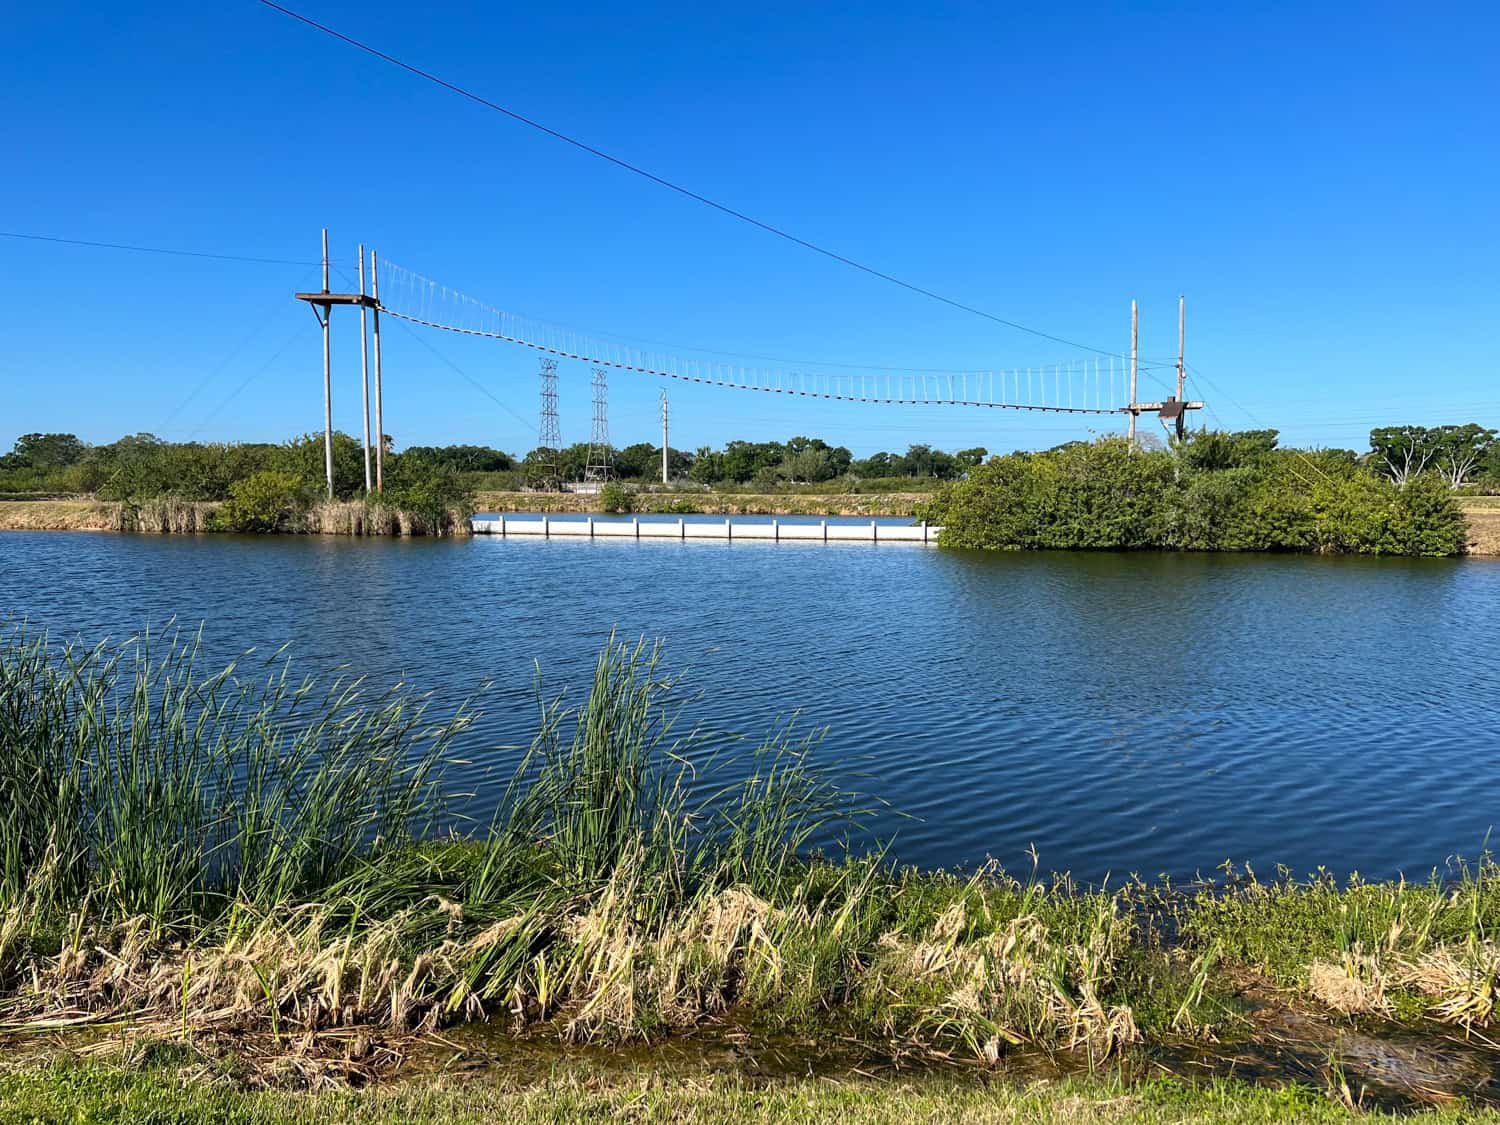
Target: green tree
{"x":541,"y":469}
{"x":47,"y":451}
{"x":614,"y":499}
{"x":1221,"y":449}
{"x":708,"y":466}
{"x":1403,"y":452}
{"x":1461,"y":451}
{"x":435,"y":494}
{"x":808,"y":466}
{"x":464,"y":458}
{"x":303,"y":456}
{"x":637,"y":461}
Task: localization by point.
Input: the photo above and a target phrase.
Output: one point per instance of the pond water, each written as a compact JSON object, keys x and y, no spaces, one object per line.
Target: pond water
{"x":1146,"y":713}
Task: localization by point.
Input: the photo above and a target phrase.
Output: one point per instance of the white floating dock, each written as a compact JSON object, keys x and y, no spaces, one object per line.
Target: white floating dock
{"x":636,"y":528}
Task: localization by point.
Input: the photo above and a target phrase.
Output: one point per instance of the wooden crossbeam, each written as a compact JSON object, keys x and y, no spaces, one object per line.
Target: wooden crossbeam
{"x":364,"y":299}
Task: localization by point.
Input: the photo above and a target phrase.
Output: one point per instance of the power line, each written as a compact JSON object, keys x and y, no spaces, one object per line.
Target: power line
{"x":660,"y":181}
{"x":154,"y":250}
{"x":459,"y":371}
{"x":225,"y":362}
{"x":246,"y":381}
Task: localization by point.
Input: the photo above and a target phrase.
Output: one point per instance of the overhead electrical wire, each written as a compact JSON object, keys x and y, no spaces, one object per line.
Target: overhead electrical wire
{"x":670,"y":185}
{"x":157,"y":250}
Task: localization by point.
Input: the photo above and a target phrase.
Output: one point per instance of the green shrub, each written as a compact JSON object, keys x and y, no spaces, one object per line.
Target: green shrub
{"x":263,"y":501}
{"x":613,"y":498}
{"x":1234,"y":493}
{"x":435,"y":495}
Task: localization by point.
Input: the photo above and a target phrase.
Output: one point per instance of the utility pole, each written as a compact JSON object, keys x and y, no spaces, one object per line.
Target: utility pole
{"x":1181,"y":339}
{"x":1135,"y":330}
{"x":327,"y":378}
{"x":322,"y":303}
{"x":1181,"y":377}
{"x":664,"y":436}
{"x":1174,"y":409}
{"x":379,"y":413}
{"x":364,"y":362}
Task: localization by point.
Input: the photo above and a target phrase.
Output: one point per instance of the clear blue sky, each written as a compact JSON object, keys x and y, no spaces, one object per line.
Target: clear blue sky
{"x":1319,"y":179}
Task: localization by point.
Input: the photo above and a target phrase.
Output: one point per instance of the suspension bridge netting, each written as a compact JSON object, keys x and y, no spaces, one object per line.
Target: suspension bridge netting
{"x":1091,"y":385}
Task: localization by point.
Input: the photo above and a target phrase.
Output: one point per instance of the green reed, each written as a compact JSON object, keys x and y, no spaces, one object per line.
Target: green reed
{"x":192,"y":845}
{"x":135,"y":780}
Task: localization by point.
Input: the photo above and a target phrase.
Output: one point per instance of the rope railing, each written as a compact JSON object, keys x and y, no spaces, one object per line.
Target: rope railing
{"x":1088,"y":386}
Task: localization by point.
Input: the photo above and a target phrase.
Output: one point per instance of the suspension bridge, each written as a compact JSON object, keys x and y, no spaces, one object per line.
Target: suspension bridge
{"x":1099,"y":384}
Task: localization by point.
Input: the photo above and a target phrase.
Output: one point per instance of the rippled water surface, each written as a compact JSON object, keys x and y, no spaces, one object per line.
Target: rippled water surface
{"x":1124,"y":713}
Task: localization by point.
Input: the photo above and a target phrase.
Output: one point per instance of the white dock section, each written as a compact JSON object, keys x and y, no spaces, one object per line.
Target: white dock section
{"x":547,"y":527}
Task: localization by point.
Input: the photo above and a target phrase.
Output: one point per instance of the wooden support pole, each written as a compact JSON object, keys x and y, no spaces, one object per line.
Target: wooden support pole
{"x":327,"y":379}
{"x":1135,"y":327}
{"x":379,"y":412}
{"x":1181,"y":377}
{"x":364,"y":363}
{"x":1181,"y":339}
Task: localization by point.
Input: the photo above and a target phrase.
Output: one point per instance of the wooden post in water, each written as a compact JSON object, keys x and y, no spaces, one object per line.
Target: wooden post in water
{"x":364,"y":362}
{"x":327,"y":379}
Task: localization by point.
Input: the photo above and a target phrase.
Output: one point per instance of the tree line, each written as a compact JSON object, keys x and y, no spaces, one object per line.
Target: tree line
{"x":261,"y":485}
{"x":143,"y":464}
{"x":61,"y":463}
{"x":799,"y":460}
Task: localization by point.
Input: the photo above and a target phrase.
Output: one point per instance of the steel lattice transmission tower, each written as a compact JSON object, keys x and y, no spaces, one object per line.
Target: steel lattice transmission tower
{"x":549,"y":434}
{"x":598,"y":469}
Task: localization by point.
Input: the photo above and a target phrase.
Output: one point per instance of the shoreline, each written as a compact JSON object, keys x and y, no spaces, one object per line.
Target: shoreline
{"x":84,"y":514}
{"x":169,"y":516}
{"x":626,"y":907}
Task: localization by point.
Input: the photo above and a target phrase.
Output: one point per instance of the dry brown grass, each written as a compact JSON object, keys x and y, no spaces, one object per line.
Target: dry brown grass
{"x":1356,"y":985}
{"x":1484,"y":529}
{"x":1461,"y":982}
{"x":171,"y":516}
{"x":1013,"y":982}
{"x":166,"y":515}
{"x":59,"y":515}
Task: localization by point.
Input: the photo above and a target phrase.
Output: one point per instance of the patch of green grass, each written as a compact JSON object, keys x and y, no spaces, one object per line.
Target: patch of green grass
{"x":154,"y":1096}
{"x":1281,"y":927}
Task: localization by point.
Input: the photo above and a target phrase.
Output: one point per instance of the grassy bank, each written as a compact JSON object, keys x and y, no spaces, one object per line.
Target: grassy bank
{"x":711,"y":503}
{"x":59,"y":515}
{"x":169,"y":515}
{"x":1484,"y":524}
{"x":160,"y":1094}
{"x":352,"y":517}
{"x":232,"y":856}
